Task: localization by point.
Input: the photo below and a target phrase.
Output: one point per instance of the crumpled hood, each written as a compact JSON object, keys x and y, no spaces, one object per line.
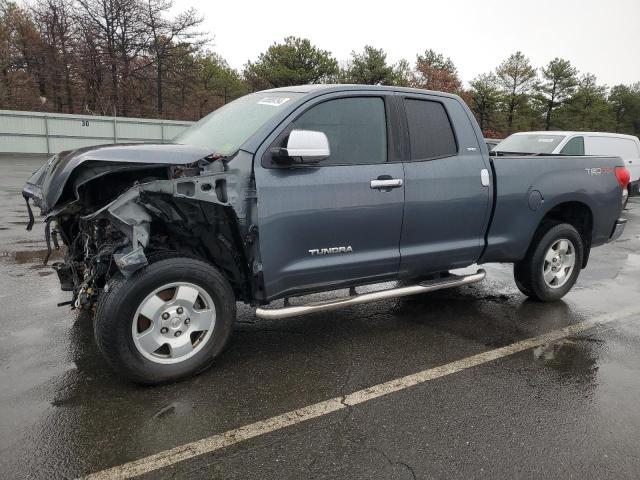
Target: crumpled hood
{"x":48,"y":182}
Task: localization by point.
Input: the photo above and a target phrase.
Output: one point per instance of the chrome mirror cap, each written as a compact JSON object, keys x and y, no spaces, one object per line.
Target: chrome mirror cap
{"x":308,"y":145}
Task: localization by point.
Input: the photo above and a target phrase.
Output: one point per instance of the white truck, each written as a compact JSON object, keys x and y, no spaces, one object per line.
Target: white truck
{"x":626,"y":147}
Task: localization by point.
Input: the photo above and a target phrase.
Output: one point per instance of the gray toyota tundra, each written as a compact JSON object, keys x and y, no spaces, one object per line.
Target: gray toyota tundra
{"x":299,"y":190}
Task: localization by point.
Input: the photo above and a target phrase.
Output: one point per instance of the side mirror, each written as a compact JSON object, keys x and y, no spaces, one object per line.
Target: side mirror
{"x":307,"y":145}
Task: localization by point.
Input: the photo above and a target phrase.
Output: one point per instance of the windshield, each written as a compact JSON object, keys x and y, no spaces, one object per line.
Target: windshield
{"x":533,"y":143}
{"x":224,"y":130}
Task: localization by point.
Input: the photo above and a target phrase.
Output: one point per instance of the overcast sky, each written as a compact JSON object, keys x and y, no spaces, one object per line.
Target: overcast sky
{"x":597,"y":36}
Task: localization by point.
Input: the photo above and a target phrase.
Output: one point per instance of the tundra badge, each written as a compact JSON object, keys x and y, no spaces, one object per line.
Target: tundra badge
{"x":330,"y":250}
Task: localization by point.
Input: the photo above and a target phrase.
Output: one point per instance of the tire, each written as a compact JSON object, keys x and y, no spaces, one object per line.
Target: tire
{"x":185,"y":287}
{"x":517,"y":275}
{"x":556,"y":253}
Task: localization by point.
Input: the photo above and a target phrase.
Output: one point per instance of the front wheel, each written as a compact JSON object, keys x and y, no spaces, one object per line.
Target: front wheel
{"x":166,"y":322}
{"x":552,"y":263}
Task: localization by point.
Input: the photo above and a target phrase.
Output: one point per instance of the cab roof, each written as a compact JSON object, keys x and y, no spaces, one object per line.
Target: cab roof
{"x":341,"y":87}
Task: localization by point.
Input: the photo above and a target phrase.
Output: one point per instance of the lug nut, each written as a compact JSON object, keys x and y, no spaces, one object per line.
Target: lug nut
{"x":178,"y":333}
{"x":164,"y":330}
{"x":187,"y":321}
{"x":165,"y":315}
{"x":180,"y":310}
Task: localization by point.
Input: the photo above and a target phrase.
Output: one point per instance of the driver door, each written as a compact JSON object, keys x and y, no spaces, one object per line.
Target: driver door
{"x":326,"y":225}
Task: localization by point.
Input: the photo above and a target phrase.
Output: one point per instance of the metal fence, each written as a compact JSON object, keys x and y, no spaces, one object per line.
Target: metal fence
{"x":48,"y":133}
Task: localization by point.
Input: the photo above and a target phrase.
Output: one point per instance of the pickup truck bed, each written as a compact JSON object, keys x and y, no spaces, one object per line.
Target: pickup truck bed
{"x":526,"y":189}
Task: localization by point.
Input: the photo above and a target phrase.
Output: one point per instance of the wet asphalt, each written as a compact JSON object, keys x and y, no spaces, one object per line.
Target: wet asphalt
{"x":564,"y":410}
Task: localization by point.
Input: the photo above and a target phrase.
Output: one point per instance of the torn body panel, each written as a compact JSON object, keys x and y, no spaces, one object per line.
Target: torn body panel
{"x":50,"y":182}
{"x":118,"y":217}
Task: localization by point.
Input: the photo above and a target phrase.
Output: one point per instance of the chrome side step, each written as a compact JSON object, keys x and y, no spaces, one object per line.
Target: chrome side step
{"x":427,"y":286}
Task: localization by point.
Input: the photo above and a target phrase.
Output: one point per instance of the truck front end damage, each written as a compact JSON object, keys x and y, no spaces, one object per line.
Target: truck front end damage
{"x":114,"y":217}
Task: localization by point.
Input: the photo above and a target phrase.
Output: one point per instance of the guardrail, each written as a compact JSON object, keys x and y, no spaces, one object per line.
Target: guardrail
{"x":48,"y":133}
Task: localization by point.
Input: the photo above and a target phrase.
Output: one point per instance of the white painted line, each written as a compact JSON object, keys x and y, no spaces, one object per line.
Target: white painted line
{"x":262,"y":427}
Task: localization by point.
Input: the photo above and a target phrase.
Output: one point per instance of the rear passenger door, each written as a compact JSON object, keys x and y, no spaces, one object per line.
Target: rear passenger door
{"x":447,"y":195}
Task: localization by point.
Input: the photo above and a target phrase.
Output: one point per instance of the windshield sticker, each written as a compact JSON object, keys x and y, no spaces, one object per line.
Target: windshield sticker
{"x":273,"y":101}
{"x":546,"y":140}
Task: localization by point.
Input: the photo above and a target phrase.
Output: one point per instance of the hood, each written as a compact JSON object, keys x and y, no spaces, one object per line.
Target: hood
{"x":48,"y":182}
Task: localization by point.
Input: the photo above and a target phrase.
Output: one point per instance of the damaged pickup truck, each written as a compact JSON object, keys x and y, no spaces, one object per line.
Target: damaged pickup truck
{"x":299,"y":190}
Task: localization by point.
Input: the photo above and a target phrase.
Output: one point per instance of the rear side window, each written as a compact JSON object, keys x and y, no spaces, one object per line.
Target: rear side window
{"x":430,"y":131}
{"x":575,"y":146}
{"x":612,"y":146}
{"x":355,"y":127}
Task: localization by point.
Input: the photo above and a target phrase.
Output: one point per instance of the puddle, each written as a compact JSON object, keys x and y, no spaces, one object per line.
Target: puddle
{"x":30,"y":256}
{"x":633,"y":259}
{"x":576,"y":357}
{"x":31,"y":242}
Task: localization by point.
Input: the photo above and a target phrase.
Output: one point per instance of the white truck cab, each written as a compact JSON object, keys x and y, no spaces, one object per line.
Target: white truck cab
{"x":626,"y":147}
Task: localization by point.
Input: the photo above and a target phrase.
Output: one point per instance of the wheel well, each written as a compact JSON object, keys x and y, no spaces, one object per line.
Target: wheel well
{"x":202,"y":230}
{"x":578,"y":215}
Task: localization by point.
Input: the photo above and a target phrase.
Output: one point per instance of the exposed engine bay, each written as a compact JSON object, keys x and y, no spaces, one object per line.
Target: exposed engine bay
{"x":114,"y":218}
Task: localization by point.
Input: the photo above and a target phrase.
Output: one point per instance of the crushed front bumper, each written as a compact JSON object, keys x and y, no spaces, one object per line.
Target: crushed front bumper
{"x":618,"y":229}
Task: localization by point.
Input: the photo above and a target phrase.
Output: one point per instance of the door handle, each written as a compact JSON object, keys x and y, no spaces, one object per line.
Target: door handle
{"x":386,"y":183}
{"x":484,"y":177}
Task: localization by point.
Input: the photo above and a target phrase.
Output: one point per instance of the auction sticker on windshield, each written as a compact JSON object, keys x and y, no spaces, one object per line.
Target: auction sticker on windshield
{"x":273,"y":101}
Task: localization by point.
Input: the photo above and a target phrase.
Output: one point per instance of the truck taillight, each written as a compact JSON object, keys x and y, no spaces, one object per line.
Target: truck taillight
{"x":623,"y":176}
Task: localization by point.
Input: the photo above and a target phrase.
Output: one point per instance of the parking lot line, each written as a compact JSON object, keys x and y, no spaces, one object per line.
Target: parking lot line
{"x":231,"y":437}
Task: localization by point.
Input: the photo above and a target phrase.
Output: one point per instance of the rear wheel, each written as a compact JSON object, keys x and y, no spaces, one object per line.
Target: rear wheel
{"x":552,"y":264}
{"x":166,"y":322}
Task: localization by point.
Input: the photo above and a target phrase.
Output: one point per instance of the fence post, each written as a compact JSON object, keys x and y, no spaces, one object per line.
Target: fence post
{"x":46,"y":133}
{"x":115,"y":129}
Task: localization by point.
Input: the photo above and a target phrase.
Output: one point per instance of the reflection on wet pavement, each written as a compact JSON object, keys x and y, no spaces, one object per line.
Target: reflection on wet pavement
{"x":573,"y":356}
{"x":34,"y":257}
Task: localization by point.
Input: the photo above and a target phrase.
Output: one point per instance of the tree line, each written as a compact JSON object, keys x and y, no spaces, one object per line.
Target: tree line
{"x":110,"y":57}
{"x":134,"y":58}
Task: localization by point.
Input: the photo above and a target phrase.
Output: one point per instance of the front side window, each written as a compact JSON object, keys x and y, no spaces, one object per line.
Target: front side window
{"x":355,"y":127}
{"x":575,"y":146}
{"x":430,"y":131}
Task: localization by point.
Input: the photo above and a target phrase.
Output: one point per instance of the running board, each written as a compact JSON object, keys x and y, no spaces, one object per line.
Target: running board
{"x":427,"y":286}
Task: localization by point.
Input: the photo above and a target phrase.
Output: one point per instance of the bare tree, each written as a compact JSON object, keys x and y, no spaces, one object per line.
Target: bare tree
{"x":168,"y":37}
{"x":92,"y":71}
{"x":54,"y":19}
{"x":26,"y":49}
{"x":120,"y":27}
